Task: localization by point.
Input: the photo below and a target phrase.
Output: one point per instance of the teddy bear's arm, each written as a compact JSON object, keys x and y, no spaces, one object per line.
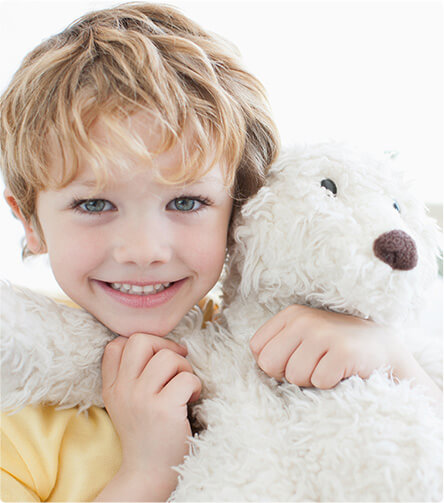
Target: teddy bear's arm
{"x":50,"y":353}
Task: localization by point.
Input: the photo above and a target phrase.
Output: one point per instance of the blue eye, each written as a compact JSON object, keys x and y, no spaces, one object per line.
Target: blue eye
{"x":188,"y":204}
{"x":396,"y":206}
{"x":92,"y":206}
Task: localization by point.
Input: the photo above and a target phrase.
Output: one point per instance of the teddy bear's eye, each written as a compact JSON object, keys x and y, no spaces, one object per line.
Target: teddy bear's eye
{"x":329,"y":185}
{"x":396,"y":206}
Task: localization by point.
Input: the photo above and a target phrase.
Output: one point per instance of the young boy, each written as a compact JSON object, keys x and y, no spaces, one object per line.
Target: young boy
{"x":127,"y":142}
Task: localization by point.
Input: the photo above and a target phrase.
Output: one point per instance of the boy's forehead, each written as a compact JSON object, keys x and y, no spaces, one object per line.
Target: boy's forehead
{"x":103,"y":134}
{"x":141,"y":124}
{"x":120,"y":162}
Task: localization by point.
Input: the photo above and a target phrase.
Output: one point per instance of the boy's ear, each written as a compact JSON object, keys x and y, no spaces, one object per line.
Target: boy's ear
{"x":33,"y":240}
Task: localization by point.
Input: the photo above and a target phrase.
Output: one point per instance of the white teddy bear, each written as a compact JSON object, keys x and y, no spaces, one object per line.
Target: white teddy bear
{"x":333,"y":229}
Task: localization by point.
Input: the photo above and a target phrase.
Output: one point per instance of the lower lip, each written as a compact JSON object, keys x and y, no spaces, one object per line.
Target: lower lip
{"x":142,"y":301}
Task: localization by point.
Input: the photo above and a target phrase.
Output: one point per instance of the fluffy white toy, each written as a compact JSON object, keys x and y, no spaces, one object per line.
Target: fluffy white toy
{"x":333,"y":229}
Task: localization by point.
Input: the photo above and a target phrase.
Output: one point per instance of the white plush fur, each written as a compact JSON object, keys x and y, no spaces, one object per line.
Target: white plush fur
{"x":260,"y":440}
{"x":50,"y":353}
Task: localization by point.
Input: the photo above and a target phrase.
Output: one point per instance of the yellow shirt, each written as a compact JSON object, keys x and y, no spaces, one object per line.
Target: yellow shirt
{"x":57,"y":455}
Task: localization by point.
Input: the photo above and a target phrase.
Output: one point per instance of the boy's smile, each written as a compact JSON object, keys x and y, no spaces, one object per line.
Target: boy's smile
{"x":139,"y":254}
{"x":142,"y":294}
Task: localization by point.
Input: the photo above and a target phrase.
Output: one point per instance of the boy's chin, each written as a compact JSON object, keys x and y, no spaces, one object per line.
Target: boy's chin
{"x":129,"y":334}
{"x":128,"y":331}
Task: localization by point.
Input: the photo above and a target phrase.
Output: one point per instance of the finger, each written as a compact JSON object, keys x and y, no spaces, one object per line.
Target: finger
{"x":183,"y":388}
{"x":268,"y":330}
{"x":294,"y":314}
{"x":139,"y":350}
{"x":328,"y":372}
{"x":111,"y":360}
{"x":274,"y":357}
{"x":162,"y":367}
{"x":302,"y":363}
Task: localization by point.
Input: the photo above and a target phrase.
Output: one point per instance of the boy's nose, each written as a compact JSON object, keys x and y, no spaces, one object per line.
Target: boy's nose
{"x":142,"y":246}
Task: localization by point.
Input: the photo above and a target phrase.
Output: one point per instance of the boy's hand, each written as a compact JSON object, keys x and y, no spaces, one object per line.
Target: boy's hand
{"x":147,"y":384}
{"x":311,"y":347}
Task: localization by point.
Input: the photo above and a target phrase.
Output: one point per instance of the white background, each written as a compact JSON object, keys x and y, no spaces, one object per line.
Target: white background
{"x":370,"y":73}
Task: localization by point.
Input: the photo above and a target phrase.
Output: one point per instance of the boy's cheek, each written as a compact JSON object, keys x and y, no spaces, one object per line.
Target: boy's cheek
{"x":210,"y":253}
{"x":71,"y":256}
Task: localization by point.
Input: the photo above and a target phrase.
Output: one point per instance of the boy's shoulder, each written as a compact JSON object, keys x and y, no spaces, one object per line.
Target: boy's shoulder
{"x":44,"y":449}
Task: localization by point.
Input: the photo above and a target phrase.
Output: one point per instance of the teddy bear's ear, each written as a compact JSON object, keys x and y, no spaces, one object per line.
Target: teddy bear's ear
{"x":245,"y":265}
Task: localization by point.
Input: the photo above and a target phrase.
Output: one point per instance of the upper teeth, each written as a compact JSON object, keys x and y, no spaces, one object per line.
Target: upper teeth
{"x":138,"y":289}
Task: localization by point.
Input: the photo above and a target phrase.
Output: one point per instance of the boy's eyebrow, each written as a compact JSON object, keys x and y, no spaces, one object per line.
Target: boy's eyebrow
{"x":205,"y":180}
{"x":85,"y":183}
{"x":82,"y":182}
{"x":93,"y":183}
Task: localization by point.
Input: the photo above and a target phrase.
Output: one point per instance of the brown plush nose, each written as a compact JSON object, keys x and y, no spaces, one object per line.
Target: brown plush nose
{"x":397,"y":249}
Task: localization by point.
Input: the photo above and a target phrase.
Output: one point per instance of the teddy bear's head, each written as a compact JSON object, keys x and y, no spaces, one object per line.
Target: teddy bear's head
{"x":337,"y":229}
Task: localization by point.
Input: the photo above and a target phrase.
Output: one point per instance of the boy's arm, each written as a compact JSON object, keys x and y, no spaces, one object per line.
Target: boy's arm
{"x":132,"y":486}
{"x":312,"y":347}
{"x":406,"y":367}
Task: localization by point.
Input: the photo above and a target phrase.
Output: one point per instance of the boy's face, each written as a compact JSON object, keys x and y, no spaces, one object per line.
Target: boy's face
{"x":137,"y":234}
